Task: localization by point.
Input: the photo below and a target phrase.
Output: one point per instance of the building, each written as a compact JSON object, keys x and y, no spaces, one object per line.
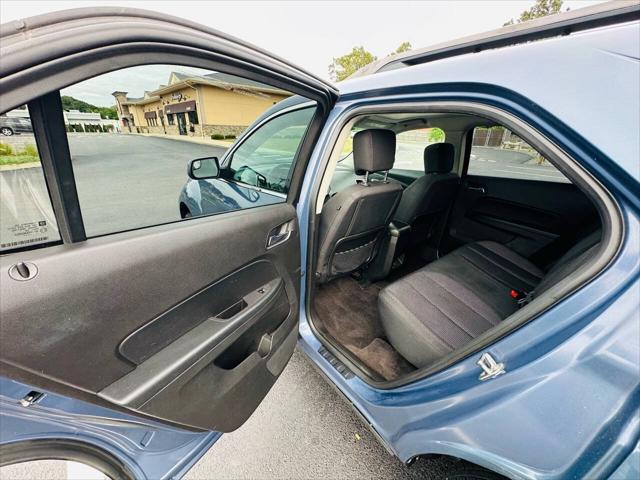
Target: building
{"x":74,"y":117}
{"x":215,"y":104}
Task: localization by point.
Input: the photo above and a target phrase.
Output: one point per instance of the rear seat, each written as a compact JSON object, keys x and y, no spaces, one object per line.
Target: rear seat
{"x":444,"y":305}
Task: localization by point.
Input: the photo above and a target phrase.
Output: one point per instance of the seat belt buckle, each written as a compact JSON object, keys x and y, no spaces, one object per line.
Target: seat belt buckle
{"x":521,"y":297}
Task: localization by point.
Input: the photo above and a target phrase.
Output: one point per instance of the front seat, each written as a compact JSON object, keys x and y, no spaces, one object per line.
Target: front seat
{"x":354,"y":219}
{"x":425,"y":202}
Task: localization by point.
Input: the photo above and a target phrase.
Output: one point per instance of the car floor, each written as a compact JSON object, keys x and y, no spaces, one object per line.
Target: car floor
{"x":348,"y":311}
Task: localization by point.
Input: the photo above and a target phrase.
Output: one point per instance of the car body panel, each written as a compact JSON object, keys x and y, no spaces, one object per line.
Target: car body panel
{"x":559,"y":367}
{"x":205,"y":197}
{"x":547,"y":362}
{"x":534,"y":72}
{"x":137,"y":444}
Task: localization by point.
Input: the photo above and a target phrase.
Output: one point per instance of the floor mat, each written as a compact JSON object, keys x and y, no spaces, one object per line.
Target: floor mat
{"x":349,"y":313}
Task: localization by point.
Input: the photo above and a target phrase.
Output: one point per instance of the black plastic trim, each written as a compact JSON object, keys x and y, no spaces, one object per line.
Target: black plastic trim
{"x":51,"y":137}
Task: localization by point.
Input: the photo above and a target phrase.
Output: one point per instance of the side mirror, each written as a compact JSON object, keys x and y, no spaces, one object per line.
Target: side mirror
{"x":203,"y":168}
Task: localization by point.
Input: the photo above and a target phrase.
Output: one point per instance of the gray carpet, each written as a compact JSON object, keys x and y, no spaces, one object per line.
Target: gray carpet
{"x":348,"y":312}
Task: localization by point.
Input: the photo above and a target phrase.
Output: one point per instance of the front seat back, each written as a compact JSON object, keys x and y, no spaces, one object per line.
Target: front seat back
{"x":353,"y":220}
{"x":425,"y":201}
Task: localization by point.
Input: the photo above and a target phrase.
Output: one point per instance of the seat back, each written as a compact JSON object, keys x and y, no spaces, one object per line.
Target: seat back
{"x":353,"y":220}
{"x":425,"y":202}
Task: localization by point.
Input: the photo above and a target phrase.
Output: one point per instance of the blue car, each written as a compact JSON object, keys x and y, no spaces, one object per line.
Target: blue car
{"x":452,"y":237}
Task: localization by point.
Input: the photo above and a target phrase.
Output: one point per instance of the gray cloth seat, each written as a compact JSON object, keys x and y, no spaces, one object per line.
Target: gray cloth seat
{"x":353,"y":220}
{"x":446,"y":304}
{"x":425,"y":201}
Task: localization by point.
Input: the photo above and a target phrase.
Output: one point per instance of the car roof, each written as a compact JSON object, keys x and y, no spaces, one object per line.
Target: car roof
{"x":557,"y":75}
{"x":565,"y":23}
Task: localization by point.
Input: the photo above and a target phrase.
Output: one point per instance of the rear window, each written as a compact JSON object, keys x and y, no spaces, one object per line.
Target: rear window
{"x":498,"y":152}
{"x":410,"y":147}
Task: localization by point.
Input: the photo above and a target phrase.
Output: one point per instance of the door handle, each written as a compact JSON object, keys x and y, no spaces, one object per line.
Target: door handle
{"x":280,"y":234}
{"x":477,"y":189}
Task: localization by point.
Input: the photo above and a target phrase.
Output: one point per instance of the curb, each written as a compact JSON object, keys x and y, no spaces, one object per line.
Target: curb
{"x":19,"y":166}
{"x":185,"y":138}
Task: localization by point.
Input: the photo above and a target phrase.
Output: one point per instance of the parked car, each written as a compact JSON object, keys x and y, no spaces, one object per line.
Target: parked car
{"x":11,"y":125}
{"x":484,"y":307}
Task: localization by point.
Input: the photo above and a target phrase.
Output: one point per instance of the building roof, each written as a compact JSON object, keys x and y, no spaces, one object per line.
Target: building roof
{"x":178,"y":80}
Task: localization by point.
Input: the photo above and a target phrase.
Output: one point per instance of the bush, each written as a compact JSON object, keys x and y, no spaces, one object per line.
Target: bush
{"x":5,"y":149}
{"x":230,"y":137}
{"x":217,"y":136}
{"x":29,"y":151}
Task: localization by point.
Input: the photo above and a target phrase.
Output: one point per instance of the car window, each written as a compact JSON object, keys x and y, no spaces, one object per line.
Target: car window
{"x":26,"y":214}
{"x":410,"y":147}
{"x":498,"y":152}
{"x":133,"y":131}
{"x":264,"y":159}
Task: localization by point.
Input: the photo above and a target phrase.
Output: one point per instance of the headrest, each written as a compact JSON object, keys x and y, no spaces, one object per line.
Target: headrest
{"x":374,"y":150}
{"x":438,"y":158}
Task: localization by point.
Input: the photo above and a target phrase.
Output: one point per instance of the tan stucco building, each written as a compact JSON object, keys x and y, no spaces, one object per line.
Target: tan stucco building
{"x":216,"y":103}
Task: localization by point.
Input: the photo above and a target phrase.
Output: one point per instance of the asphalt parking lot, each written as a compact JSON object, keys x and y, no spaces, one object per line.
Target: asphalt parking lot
{"x":123,"y":182}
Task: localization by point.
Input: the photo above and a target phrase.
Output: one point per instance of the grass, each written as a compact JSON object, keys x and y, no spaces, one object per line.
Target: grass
{"x":18,"y":159}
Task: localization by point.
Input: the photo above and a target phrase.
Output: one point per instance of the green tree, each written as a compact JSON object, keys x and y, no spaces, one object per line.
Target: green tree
{"x":404,"y":47}
{"x":435,"y":135}
{"x":70,"y":103}
{"x":345,"y":65}
{"x":542,"y":8}
{"x":342,"y":67}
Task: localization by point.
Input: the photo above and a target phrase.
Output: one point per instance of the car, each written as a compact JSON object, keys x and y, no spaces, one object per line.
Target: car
{"x":11,"y":125}
{"x":451,"y":237}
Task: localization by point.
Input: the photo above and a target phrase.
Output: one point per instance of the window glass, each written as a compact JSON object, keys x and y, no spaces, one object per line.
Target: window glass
{"x":264,"y":160}
{"x":141,"y":126}
{"x":498,"y":152}
{"x":26,"y":215}
{"x":410,"y":147}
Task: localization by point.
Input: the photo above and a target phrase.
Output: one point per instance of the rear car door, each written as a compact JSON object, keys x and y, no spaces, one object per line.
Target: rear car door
{"x":131,"y":336}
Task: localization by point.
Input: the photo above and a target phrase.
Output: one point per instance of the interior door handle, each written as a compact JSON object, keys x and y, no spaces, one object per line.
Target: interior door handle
{"x":280,"y":234}
{"x":477,"y":189}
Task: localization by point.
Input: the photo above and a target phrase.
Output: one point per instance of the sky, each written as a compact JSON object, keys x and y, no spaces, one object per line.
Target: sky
{"x":308,"y":33}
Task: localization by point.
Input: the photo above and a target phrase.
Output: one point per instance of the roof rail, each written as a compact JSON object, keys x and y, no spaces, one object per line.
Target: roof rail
{"x":551,"y":26}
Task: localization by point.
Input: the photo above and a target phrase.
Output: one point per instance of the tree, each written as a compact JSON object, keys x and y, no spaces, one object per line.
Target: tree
{"x":542,"y":8}
{"x":345,"y":65}
{"x":70,"y":103}
{"x":342,"y":67}
{"x":404,"y":47}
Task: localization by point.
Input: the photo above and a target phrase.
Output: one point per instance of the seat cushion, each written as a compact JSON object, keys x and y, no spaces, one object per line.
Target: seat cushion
{"x":444,"y":305}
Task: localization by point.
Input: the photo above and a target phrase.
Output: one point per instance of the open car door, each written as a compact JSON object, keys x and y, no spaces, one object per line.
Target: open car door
{"x":130,"y":349}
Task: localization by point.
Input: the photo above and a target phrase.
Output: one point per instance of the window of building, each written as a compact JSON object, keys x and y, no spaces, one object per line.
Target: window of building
{"x":264,"y":160}
{"x":126,"y":182}
{"x":410,"y":147}
{"x":26,"y":214}
{"x":497,"y":152}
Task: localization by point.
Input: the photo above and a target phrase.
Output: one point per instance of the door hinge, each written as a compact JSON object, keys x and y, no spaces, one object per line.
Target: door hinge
{"x":490,"y":368}
{"x":31,"y":398}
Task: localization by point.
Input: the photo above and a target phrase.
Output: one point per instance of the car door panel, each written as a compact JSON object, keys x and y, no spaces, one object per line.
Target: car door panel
{"x":526,"y":215}
{"x":200,"y":308}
